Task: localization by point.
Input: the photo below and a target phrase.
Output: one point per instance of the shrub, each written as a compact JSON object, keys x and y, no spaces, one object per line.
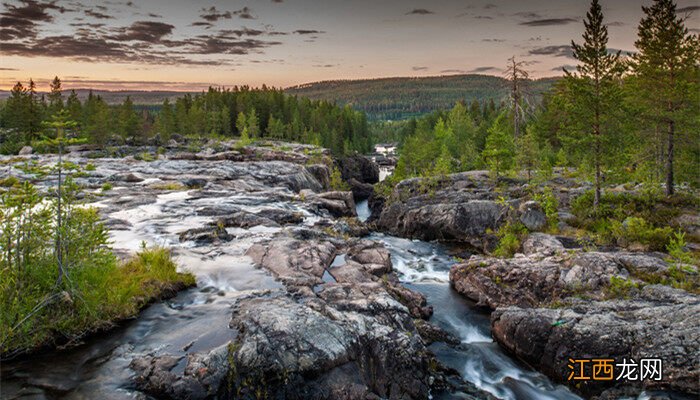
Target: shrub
{"x":36,"y":307}
{"x":621,"y":288}
{"x":106,"y":186}
{"x":550,"y":206}
{"x":9,"y":181}
{"x":337,"y":182}
{"x":509,"y":236}
{"x":637,"y":230}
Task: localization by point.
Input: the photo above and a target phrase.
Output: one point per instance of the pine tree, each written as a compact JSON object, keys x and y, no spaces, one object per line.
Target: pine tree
{"x":253,"y":124}
{"x":527,"y":152}
{"x":499,"y":149}
{"x":666,"y":82}
{"x":73,"y":106}
{"x":55,"y":96}
{"x":595,"y":90}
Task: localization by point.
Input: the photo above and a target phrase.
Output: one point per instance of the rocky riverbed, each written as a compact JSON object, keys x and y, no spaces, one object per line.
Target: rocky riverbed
{"x":555,"y":301}
{"x":298,"y":298}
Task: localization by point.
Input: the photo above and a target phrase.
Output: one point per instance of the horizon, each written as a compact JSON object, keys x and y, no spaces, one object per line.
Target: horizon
{"x":66,"y":86}
{"x":126,"y":46}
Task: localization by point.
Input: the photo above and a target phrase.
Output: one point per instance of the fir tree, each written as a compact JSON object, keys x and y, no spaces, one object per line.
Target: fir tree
{"x":666,"y":82}
{"x":595,"y":91}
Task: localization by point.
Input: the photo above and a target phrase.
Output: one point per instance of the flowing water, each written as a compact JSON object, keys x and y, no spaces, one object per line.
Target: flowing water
{"x":425,"y":267}
{"x":197,"y":319}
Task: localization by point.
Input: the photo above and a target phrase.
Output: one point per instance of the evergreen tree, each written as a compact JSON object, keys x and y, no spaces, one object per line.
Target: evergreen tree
{"x":666,"y":81}
{"x":253,"y":124}
{"x":73,"y":106}
{"x":129,"y":122}
{"x":55,"y":96}
{"x":595,"y":92}
{"x":499,"y":149}
{"x":527,"y":152}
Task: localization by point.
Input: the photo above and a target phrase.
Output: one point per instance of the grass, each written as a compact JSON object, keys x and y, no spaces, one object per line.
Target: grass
{"x":98,"y":295}
{"x":168,"y":186}
{"x":107,"y":187}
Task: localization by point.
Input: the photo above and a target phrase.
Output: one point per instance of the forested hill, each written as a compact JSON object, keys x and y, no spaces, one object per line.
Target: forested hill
{"x":399,"y":98}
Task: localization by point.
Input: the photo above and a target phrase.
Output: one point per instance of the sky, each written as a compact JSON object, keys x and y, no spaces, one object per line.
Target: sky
{"x":190,"y":45}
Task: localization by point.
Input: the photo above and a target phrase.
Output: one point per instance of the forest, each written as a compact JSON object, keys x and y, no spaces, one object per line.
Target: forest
{"x":403,"y":98}
{"x":614,"y":119}
{"x":241,"y":111}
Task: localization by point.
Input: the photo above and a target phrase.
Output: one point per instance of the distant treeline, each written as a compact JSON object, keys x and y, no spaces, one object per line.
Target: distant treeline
{"x":402,"y":98}
{"x":239,"y":112}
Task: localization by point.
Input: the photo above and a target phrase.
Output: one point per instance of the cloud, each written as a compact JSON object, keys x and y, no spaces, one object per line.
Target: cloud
{"x":145,"y":31}
{"x":490,"y":6}
{"x":212,"y":14}
{"x":568,"y":67}
{"x":556,"y":51}
{"x":549,"y":22}
{"x":483,"y":69}
{"x":529,"y":15}
{"x":308,"y":32}
{"x":154,"y":15}
{"x":19,"y":21}
{"x":324,"y":65}
{"x":8,"y":69}
{"x":419,"y":68}
{"x":419,"y":11}
{"x":616,"y":23}
{"x":97,"y":14}
{"x":204,"y":24}
{"x":482,"y":17}
{"x":688,"y":9}
{"x":453,"y":71}
{"x":493,"y":40}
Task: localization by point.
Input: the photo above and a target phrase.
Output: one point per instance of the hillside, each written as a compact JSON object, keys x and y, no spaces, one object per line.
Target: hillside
{"x":140,"y":97}
{"x":398,"y":98}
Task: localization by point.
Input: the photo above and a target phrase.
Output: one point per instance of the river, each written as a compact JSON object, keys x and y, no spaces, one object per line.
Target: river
{"x":197,"y":319}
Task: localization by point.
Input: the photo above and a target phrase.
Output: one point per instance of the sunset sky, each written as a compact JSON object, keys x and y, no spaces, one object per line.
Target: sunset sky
{"x":189,"y":45}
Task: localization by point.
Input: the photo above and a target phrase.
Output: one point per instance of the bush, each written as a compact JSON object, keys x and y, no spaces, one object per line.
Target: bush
{"x":37,"y":307}
{"x":621,"y":288}
{"x":106,"y":186}
{"x":637,"y":230}
{"x":337,"y":182}
{"x":550,"y":206}
{"x":509,"y":236}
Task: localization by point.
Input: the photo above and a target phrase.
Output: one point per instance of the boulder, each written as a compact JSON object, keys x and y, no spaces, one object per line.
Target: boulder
{"x":360,"y":168}
{"x":25,"y":151}
{"x":532,"y":216}
{"x":206,"y":235}
{"x":662,"y":323}
{"x":338,"y":204}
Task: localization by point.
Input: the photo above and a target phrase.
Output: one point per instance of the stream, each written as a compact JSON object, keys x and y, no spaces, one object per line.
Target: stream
{"x":197,"y":319}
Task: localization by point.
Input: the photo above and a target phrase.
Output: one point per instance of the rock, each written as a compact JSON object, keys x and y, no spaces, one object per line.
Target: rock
{"x":128,"y":178}
{"x":433,"y":333}
{"x":206,"y":235}
{"x":25,"y":151}
{"x":538,"y":278}
{"x":360,"y":168}
{"x":360,"y":191}
{"x":465,"y":221}
{"x":322,"y":174}
{"x":542,"y":243}
{"x":663,"y":324}
{"x":338,"y":204}
{"x":532,"y":216}
{"x":194,"y":183}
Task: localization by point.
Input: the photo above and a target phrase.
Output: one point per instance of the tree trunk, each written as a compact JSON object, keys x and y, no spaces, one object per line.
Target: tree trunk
{"x":596,"y":200}
{"x":669,"y":160}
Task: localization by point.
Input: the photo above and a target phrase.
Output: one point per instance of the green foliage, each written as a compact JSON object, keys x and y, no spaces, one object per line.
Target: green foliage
{"x":500,"y":149}
{"x":337,"y":182}
{"x":550,"y":206}
{"x":509,"y":235}
{"x":36,"y":309}
{"x":621,"y":288}
{"x":635,"y":230}
{"x":404,"y":98}
{"x":107,"y":186}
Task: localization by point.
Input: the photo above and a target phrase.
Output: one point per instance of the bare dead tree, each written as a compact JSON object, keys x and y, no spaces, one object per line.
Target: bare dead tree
{"x":517,"y":77}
